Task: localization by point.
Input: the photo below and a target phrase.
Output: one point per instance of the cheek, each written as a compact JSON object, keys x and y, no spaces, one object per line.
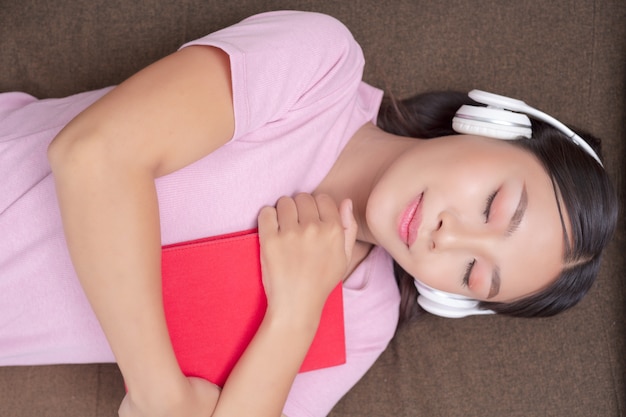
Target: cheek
{"x":444,"y":273}
{"x":379,"y":217}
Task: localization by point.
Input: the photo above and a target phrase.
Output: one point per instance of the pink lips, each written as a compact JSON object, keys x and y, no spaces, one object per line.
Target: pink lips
{"x":410,"y":221}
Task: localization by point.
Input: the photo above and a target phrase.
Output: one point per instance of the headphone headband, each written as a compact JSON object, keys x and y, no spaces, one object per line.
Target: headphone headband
{"x":495,"y":101}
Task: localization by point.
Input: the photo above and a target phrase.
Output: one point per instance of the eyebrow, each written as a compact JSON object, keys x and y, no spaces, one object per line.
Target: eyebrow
{"x":514,"y":223}
{"x":568,"y":248}
{"x":495,"y":283}
{"x":517,"y":217}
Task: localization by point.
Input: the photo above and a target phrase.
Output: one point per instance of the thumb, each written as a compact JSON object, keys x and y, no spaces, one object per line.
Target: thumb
{"x":349,"y":226}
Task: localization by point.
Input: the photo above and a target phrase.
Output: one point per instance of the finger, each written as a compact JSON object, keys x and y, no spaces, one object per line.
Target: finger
{"x":267,"y":221}
{"x":307,"y":208}
{"x":327,"y":209}
{"x":286,"y":212}
{"x":349,"y":224}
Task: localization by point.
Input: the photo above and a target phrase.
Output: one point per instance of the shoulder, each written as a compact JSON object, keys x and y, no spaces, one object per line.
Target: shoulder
{"x":288,"y":30}
{"x":321,"y":24}
{"x":320,"y":28}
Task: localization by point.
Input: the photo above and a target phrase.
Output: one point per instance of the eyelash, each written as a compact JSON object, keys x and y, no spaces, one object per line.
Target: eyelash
{"x":468,"y":271}
{"x":488,"y":205}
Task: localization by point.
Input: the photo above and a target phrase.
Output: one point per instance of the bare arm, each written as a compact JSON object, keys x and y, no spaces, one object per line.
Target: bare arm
{"x":105,"y":162}
{"x":306,"y":243}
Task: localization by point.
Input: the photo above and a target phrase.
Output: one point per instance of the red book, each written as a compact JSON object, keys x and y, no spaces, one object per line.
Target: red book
{"x":214,"y":302}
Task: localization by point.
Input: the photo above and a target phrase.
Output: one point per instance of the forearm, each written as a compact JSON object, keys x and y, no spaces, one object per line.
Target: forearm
{"x":111,"y":222}
{"x":306,"y":243}
{"x":261,"y":380}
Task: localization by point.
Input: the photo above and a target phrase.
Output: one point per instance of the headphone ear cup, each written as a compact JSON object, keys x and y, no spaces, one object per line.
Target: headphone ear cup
{"x":473,"y":127}
{"x":490,"y":122}
{"x":447,"y":305}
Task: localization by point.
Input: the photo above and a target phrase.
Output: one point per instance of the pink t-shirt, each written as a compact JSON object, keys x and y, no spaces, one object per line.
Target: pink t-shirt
{"x":298,"y":99}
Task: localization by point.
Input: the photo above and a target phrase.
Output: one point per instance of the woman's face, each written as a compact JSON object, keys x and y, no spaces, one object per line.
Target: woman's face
{"x":470,"y":215}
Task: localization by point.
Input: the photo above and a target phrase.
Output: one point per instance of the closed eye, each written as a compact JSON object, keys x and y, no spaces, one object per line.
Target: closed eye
{"x":488,"y":204}
{"x":468,"y":272}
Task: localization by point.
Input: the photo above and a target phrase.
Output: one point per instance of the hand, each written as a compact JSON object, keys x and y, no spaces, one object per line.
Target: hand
{"x":197,"y":398}
{"x":306,"y":247}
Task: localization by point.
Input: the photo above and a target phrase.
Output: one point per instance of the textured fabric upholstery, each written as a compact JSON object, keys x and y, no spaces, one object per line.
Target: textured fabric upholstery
{"x":565,"y":57}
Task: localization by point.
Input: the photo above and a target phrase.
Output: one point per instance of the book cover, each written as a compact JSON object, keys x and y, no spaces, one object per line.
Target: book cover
{"x":214,"y":302}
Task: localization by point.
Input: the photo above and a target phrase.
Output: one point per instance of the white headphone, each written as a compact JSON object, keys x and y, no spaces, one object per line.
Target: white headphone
{"x":507,"y":118}
{"x":445,"y":304}
{"x":504,"y":118}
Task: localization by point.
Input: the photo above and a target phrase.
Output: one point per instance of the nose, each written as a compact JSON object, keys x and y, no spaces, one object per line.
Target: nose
{"x":455,"y":233}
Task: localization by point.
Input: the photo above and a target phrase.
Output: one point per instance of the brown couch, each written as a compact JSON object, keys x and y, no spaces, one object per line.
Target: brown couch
{"x":566,"y":57}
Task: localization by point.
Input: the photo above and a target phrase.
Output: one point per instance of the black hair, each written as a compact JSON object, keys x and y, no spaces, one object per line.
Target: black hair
{"x":585,"y":188}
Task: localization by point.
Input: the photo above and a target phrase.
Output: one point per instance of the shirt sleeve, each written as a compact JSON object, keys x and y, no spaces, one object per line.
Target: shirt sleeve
{"x":285,"y":61}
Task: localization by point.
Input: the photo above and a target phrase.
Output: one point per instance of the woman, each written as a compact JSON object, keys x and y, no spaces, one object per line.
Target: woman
{"x":196,"y":144}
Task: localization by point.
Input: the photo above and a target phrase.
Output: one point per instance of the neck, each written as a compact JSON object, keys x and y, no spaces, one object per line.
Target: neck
{"x":362,"y":162}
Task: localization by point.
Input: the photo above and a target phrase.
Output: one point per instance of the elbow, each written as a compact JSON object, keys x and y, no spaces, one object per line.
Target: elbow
{"x":57,"y":151}
{"x":76,"y":154}
{"x":69,"y":151}
{"x":94,"y":152}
